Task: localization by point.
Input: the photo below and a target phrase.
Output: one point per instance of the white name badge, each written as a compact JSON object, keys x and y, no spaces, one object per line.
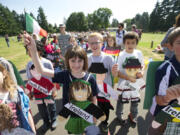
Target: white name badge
{"x":80,"y":112}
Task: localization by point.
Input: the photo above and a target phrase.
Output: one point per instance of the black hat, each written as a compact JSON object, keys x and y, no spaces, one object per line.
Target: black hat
{"x":97,"y":68}
{"x":132,"y":62}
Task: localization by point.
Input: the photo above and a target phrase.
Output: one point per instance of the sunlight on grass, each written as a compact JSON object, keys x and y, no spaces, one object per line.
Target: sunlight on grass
{"x":17,"y":54}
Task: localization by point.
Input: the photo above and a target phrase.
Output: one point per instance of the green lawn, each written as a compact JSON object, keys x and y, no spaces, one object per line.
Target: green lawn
{"x":17,"y":54}
{"x":145,"y":45}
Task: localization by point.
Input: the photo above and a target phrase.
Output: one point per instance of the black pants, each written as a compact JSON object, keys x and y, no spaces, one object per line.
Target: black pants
{"x":106,"y":109}
{"x":47,"y":112}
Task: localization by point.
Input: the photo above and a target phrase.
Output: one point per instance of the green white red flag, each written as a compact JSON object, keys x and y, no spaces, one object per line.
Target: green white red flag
{"x":33,"y":27}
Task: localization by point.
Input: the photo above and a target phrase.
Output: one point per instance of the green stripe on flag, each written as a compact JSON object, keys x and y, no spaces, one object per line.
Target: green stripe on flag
{"x":29,"y":23}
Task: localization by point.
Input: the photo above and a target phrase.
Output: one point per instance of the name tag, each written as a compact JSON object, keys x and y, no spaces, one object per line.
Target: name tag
{"x":80,"y":112}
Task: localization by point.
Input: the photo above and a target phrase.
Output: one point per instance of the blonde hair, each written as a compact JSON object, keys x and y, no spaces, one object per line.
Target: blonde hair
{"x":96,"y":34}
{"x":8,"y":83}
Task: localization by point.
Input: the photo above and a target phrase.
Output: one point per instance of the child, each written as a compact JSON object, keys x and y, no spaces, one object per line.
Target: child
{"x":130,"y":41}
{"x":76,"y":63}
{"x":80,"y":108}
{"x":42,"y":107}
{"x":44,"y":92}
{"x":95,"y":41}
{"x":167,"y":73}
{"x":167,"y":120}
{"x":111,"y":48}
{"x":14,"y":102}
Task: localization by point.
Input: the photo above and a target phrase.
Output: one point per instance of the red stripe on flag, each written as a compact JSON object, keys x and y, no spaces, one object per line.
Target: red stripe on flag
{"x":43,"y":33}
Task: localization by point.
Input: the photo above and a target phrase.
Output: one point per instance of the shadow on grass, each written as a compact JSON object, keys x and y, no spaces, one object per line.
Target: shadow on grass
{"x":142,"y":126}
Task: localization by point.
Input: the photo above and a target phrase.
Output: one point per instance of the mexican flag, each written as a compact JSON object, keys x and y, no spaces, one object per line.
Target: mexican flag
{"x":33,"y":27}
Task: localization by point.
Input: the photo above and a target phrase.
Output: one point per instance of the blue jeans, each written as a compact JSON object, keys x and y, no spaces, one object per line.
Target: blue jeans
{"x":47,"y":112}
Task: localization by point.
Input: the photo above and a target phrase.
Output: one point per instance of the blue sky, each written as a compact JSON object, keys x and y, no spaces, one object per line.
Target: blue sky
{"x":57,"y":10}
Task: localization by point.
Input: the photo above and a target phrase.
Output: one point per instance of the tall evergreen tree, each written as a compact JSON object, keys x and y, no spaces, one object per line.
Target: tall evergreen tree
{"x":41,"y":18}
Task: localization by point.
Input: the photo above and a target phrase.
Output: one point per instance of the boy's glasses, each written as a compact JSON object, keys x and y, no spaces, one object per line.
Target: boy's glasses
{"x":94,"y":43}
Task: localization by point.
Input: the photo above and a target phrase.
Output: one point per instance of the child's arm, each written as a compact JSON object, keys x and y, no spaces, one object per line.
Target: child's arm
{"x":117,"y":73}
{"x":31,"y":122}
{"x":29,"y":41}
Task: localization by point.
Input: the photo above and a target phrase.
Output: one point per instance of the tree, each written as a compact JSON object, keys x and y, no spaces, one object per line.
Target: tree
{"x":56,"y":29}
{"x":41,"y":18}
{"x":128,"y":24}
{"x":115,"y":22}
{"x":144,"y":22}
{"x":99,"y":19}
{"x":31,"y":14}
{"x":77,"y":22}
{"x":155,"y":20}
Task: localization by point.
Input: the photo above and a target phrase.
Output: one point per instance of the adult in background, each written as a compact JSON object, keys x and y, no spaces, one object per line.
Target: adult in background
{"x":7,"y":40}
{"x":165,"y":44}
{"x":119,"y":35}
{"x":63,"y":39}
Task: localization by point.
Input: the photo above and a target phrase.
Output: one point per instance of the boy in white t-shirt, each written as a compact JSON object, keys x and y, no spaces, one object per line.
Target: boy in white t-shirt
{"x":130,"y":41}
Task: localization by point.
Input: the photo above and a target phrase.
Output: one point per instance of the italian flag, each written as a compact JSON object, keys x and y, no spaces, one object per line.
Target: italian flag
{"x":33,"y":27}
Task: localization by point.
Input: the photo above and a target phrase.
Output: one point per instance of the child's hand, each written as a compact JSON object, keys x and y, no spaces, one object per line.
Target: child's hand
{"x":29,"y":42}
{"x":54,"y":94}
{"x":114,"y":70}
{"x":131,"y":79}
{"x":139,"y":75}
{"x":172,"y":92}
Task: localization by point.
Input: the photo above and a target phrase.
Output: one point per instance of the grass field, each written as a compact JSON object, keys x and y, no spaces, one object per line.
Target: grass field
{"x":17,"y":54}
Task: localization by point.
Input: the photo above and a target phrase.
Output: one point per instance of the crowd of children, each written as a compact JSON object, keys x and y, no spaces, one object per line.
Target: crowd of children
{"x":88,"y":80}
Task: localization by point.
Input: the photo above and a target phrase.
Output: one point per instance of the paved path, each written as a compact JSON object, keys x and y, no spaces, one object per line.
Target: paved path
{"x":115,"y":129}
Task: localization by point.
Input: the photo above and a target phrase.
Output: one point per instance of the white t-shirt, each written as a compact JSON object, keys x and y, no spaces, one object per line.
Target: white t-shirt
{"x":124,"y":55}
{"x":119,"y":37}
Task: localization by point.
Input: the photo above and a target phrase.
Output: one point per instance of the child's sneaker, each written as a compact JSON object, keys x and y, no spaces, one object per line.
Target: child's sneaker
{"x":121,"y":121}
{"x":54,"y":125}
{"x":45,"y":127}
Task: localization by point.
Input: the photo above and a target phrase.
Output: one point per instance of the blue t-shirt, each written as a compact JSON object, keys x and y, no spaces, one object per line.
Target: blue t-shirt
{"x":64,"y":78}
{"x":166,"y":74}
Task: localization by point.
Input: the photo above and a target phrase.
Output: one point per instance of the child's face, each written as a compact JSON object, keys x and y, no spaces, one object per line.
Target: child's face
{"x":95,"y":44}
{"x":72,"y":41}
{"x":176,"y":46}
{"x":130,"y":45}
{"x":132,"y":71}
{"x":80,"y":95}
{"x":110,"y":42}
{"x":76,"y":64}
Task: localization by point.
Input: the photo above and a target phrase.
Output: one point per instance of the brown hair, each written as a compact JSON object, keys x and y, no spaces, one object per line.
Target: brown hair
{"x":173,"y":35}
{"x":78,"y":85}
{"x":177,"y":21}
{"x":8,"y":83}
{"x":131,"y":35}
{"x":7,"y":119}
{"x":113,"y":38}
{"x":76,"y":51}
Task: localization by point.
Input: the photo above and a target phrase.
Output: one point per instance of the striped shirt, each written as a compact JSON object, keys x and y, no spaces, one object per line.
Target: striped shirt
{"x":166,"y":74}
